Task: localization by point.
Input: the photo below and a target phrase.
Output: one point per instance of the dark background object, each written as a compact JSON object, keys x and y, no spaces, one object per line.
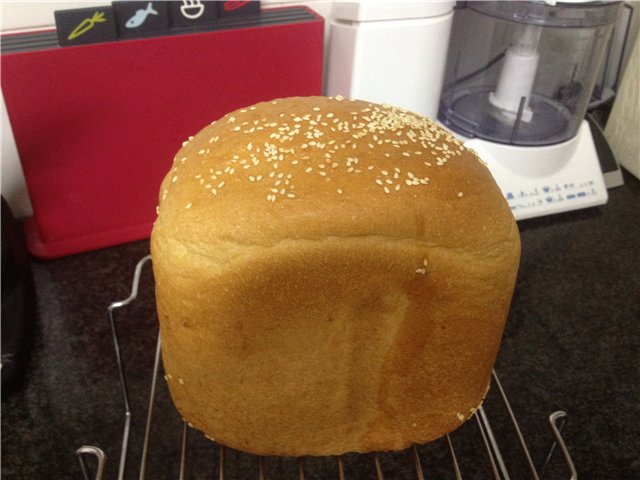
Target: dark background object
{"x":18,"y":302}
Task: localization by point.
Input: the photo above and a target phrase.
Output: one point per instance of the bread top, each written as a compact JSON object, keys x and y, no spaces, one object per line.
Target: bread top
{"x":317,"y":167}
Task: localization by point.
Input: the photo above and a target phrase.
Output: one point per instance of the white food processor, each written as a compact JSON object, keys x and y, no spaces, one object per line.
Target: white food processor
{"x":517,"y":84}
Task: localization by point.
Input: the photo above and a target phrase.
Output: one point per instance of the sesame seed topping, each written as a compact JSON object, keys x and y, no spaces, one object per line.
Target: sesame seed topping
{"x":309,"y":141}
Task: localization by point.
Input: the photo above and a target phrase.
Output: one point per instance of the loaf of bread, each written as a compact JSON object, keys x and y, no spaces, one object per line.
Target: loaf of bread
{"x":332,"y":276}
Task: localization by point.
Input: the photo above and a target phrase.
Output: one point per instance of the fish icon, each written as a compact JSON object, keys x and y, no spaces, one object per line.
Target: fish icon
{"x":141,"y":16}
{"x":86,"y":25}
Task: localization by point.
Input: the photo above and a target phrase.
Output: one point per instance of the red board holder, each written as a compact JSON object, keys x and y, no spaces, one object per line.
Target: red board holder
{"x":97,"y":126}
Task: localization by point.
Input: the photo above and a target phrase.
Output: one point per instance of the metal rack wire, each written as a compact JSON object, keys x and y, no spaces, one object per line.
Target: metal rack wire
{"x":496,"y":467}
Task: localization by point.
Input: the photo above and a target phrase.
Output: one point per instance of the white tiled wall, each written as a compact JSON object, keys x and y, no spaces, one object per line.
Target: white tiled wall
{"x":31,"y":15}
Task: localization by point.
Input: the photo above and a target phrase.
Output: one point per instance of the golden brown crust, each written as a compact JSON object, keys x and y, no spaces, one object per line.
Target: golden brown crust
{"x":332,"y":275}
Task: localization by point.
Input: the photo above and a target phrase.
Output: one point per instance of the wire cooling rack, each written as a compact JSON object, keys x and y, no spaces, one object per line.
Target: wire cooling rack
{"x":477,"y":450}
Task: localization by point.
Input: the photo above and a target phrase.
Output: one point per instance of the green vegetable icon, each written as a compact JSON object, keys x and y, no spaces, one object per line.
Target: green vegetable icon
{"x":86,"y":25}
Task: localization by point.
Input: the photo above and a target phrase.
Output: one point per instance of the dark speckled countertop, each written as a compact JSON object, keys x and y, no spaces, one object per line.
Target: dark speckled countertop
{"x":572,"y":343}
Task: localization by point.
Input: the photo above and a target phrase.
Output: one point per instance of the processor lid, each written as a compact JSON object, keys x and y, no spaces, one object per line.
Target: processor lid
{"x":552,"y":13}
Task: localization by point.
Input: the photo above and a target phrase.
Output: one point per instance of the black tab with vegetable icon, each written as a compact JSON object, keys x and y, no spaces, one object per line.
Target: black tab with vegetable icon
{"x":186,"y":14}
{"x":135,"y":19}
{"x":85,"y":25}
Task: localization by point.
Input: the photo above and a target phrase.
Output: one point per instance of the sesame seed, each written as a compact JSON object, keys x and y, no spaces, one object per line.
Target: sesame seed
{"x":188,"y":205}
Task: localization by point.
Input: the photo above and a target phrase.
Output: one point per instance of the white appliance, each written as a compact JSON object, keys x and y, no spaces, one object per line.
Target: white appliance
{"x":390,"y":52}
{"x":516,"y":85}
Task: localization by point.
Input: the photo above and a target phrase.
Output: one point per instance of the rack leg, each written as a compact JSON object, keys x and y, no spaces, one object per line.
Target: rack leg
{"x":96,"y":452}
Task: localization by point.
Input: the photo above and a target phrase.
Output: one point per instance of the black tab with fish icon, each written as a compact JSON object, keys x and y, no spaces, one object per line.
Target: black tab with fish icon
{"x":80,"y":26}
{"x":140,"y":19}
{"x":198,"y":14}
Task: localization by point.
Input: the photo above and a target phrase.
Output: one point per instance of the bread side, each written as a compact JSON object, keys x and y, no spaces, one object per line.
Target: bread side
{"x":340,"y":285}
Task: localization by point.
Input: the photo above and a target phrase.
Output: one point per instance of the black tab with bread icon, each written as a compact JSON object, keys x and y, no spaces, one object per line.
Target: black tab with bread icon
{"x":85,"y":25}
{"x":196,"y":14}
